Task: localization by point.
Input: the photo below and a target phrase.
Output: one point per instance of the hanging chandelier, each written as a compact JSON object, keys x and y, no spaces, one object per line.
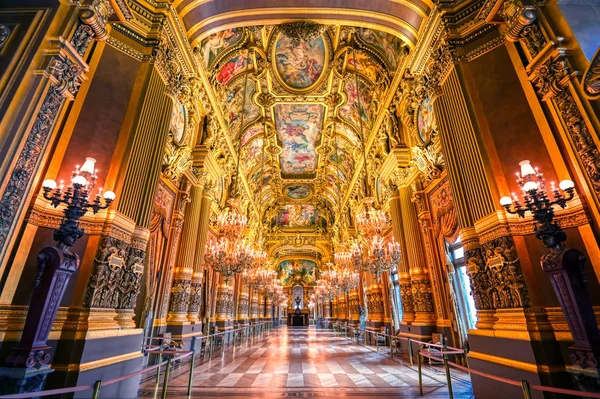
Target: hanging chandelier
{"x":370,"y":252}
{"x":230,"y":253}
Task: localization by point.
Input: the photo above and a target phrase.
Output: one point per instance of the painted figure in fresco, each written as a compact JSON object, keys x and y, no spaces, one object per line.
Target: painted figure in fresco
{"x":298,"y":128}
{"x":229,"y":70}
{"x":218,"y":42}
{"x":300,"y":64}
{"x":365,"y":65}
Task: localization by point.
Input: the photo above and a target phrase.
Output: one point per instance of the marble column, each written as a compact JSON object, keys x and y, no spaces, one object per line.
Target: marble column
{"x":408,"y":312}
{"x":224,"y":306}
{"x":198,"y":273}
{"x":415,"y":255}
{"x":254,"y":306}
{"x":182,"y":278}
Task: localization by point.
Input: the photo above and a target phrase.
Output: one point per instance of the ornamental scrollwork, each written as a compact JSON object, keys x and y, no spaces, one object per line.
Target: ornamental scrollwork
{"x":507,"y":283}
{"x":102,"y":290}
{"x":591,"y":78}
{"x":180,"y":295}
{"x":130,"y":279}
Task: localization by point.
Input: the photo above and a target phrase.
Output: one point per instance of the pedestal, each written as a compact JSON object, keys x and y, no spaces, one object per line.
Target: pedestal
{"x":23,"y":380}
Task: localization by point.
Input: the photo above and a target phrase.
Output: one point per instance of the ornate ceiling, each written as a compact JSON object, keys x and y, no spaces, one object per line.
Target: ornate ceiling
{"x":301,"y":99}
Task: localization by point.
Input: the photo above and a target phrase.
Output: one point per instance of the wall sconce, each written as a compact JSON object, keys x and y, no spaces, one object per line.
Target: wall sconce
{"x":536,"y":200}
{"x":75,"y":197}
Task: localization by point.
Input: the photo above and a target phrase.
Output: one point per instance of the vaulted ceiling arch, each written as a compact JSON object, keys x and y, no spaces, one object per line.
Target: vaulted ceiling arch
{"x":402,"y":18}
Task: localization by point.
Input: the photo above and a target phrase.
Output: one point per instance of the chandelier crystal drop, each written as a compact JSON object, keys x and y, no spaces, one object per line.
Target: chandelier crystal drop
{"x":371,"y":221}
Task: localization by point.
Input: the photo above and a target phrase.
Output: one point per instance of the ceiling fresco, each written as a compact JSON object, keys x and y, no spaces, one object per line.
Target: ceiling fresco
{"x":217,"y":43}
{"x":293,"y":215}
{"x":299,"y":131}
{"x":297,"y":271}
{"x":303,"y":125}
{"x":300,"y":64}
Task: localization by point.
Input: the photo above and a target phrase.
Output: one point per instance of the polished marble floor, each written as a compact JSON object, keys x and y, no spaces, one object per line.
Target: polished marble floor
{"x":308,"y":362}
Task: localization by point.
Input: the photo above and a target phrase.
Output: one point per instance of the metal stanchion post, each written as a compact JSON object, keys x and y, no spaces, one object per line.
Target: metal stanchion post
{"x":391,"y":349}
{"x":526,"y":391}
{"x":377,"y":342}
{"x":158,"y":374}
{"x":420,"y":375}
{"x":211,"y":347}
{"x":448,"y":376}
{"x":96,"y":393}
{"x":410,"y":355}
{"x":192,"y":362}
{"x":166,"y":380}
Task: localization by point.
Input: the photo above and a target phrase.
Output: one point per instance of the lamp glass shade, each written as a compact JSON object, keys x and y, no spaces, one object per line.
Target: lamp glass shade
{"x":79,"y":180}
{"x":89,"y":166}
{"x":109,"y":196}
{"x":505,"y":201}
{"x":49,"y":184}
{"x":566,"y":185}
{"x":526,"y":168}
{"x":530,"y":186}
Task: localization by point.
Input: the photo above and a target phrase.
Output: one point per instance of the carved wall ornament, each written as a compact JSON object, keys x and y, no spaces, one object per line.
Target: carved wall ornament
{"x":5,"y":32}
{"x":102,"y":290}
{"x":180,"y":295}
{"x":421,"y":294}
{"x":591,"y":77}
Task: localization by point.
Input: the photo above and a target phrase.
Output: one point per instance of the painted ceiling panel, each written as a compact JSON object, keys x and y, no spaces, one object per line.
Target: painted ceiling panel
{"x":299,"y":131}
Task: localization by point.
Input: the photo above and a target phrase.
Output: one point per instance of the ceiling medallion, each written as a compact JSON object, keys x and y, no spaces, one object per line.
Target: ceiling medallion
{"x":302,"y":31}
{"x":300,"y":59}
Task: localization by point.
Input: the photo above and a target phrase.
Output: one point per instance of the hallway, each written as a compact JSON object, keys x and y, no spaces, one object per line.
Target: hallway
{"x":309,"y":363}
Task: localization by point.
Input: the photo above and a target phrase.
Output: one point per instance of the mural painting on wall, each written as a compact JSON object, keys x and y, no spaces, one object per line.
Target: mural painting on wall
{"x":299,"y":130}
{"x":444,"y":217}
{"x":351,"y":111}
{"x":216,"y":43}
{"x":387,"y":45}
{"x":296,"y":215}
{"x":252,"y":154}
{"x":425,"y":120}
{"x":237,"y":64}
{"x":234,"y":101}
{"x":251,"y":132}
{"x":365,"y":65}
{"x":298,"y":191}
{"x":343,"y":156}
{"x":177,"y":124}
{"x":297,"y":271}
{"x":350,"y":134}
{"x":300,"y":64}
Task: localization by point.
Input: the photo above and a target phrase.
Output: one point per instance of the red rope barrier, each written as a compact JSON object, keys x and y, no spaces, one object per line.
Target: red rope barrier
{"x":48,"y":392}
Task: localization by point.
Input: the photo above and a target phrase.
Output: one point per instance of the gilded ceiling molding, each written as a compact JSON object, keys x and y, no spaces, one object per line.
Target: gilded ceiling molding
{"x":329,"y":16}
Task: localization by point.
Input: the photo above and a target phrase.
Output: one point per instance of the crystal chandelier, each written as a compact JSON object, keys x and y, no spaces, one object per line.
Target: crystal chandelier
{"x":230,"y":254}
{"x":370,"y":252}
{"x":371,"y":221}
{"x":376,"y":257}
{"x":347,"y":278}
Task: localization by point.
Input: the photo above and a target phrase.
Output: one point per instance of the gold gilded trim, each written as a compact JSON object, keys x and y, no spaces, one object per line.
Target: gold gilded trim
{"x":516,"y":364}
{"x":337,"y":15}
{"x":308,"y":10}
{"x":98,"y":363}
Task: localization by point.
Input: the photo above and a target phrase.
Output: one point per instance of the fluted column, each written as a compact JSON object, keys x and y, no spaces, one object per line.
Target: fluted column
{"x":408,"y":311}
{"x":419,"y":274}
{"x":198,"y":270}
{"x":182,"y":279}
